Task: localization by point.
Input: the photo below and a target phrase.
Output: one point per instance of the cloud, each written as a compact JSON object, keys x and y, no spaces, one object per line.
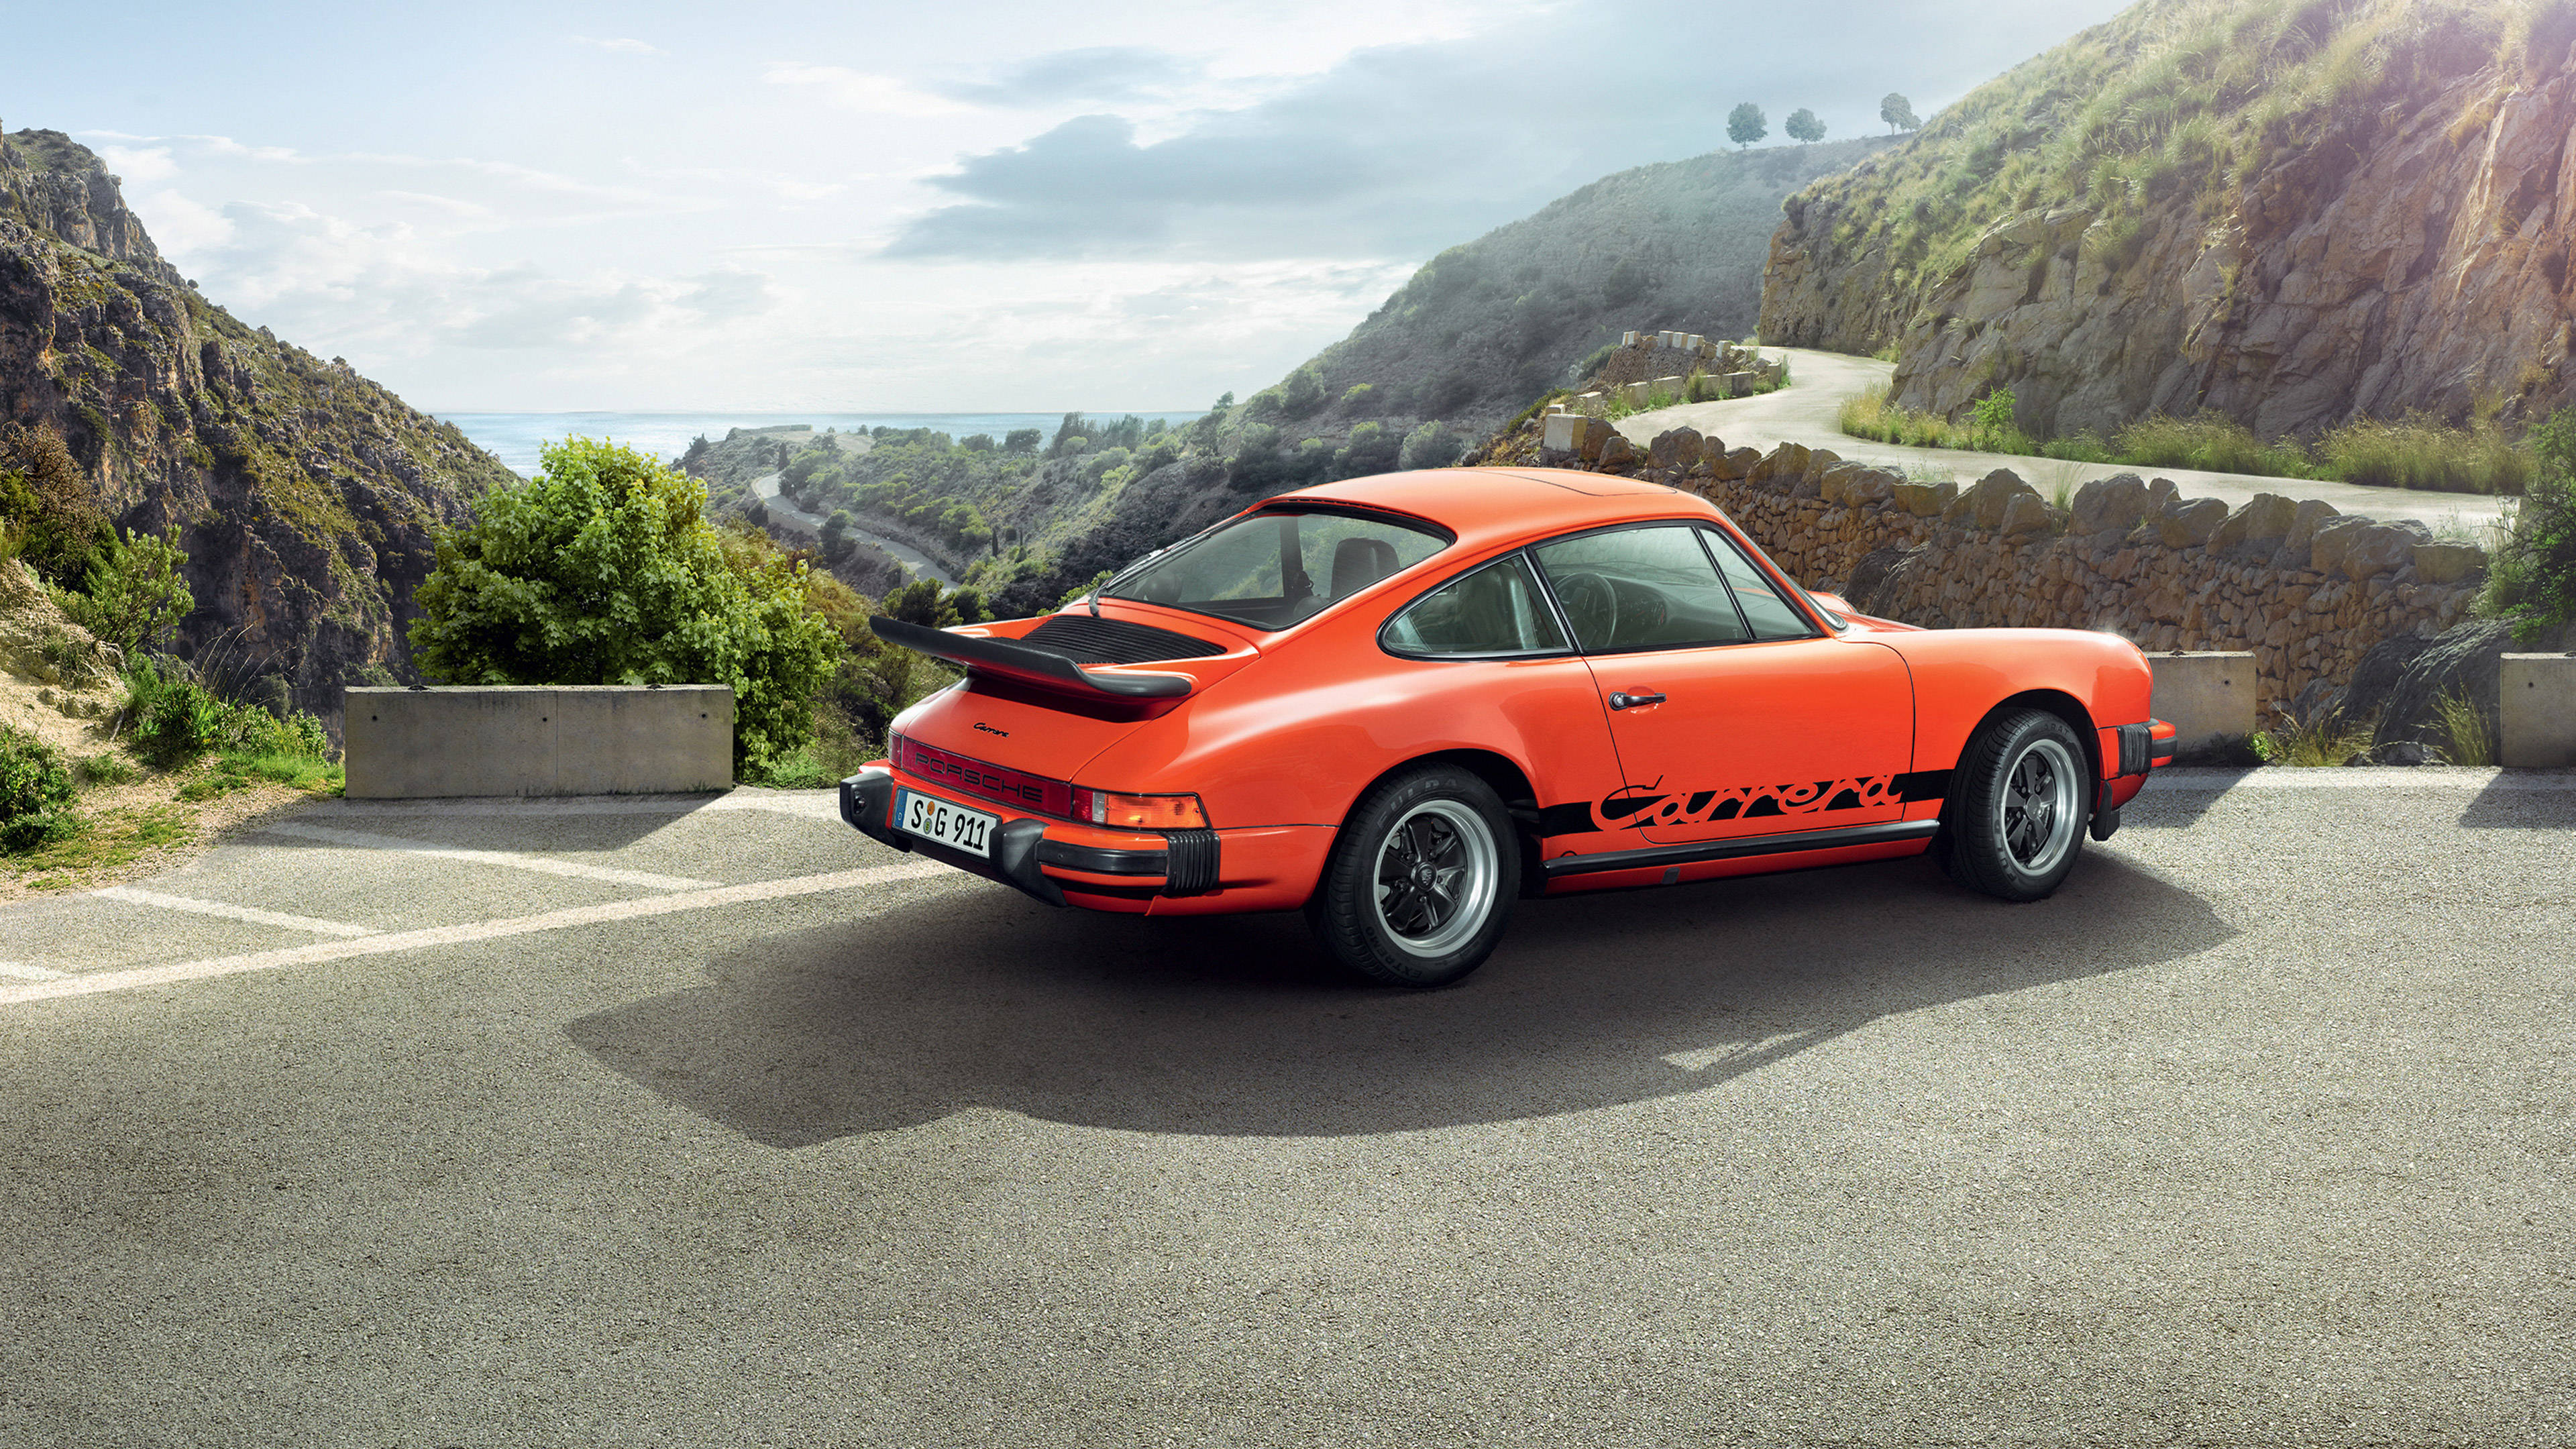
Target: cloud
{"x":622,"y":45}
{"x":861,"y":90}
{"x":151,"y":163}
{"x":179,"y":226}
{"x":1409,"y":148}
{"x":1093,"y":75}
{"x":1087,"y":185}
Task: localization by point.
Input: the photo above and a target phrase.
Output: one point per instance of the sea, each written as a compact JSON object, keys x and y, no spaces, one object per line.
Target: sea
{"x":514,"y":438}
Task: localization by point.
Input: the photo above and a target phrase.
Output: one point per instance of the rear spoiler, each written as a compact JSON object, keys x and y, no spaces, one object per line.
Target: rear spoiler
{"x":1010,"y":659}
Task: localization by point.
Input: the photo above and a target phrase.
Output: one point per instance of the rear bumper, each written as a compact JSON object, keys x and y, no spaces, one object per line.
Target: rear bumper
{"x":1034,"y":854}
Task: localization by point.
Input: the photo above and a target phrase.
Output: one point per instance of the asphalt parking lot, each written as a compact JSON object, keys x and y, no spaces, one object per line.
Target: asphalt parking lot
{"x":710,"y":1122}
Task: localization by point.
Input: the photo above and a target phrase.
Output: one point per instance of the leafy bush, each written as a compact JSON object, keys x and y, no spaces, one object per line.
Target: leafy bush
{"x":2533,"y":571}
{"x":35,"y":792}
{"x":132,"y":593}
{"x":1431,"y":445}
{"x":603,"y":569}
{"x":46,"y":507}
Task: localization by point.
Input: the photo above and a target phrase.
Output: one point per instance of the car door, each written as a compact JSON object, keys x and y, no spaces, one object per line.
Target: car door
{"x":1731,"y":714}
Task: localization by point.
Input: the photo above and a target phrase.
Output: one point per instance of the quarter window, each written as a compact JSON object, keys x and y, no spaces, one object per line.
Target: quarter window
{"x":1497,"y":610}
{"x":1641,"y":588}
{"x":1770,"y":615}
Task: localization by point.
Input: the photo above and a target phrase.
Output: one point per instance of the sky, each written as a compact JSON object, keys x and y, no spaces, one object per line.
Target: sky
{"x":859,"y":206}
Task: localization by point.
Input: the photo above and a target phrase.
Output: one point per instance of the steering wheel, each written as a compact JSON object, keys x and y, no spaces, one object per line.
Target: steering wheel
{"x":1591,"y":606}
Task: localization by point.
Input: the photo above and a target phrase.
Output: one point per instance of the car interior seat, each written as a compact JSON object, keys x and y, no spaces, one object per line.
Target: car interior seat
{"x":1360,"y":562}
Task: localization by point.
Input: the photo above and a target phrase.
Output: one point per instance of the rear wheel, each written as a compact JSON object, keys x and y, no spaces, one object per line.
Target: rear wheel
{"x":1421,"y":880}
{"x":2015,"y":817}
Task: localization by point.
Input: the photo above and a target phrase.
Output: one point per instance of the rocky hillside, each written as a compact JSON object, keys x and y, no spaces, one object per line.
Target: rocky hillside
{"x":2293,"y":212}
{"x":1486,"y":326}
{"x":304,"y":495}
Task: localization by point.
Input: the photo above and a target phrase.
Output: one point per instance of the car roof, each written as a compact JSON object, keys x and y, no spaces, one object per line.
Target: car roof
{"x":1493,"y":507}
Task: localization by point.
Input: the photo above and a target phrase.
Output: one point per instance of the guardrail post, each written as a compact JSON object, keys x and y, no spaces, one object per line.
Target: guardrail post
{"x":2536,"y":711}
{"x":2208,"y":697}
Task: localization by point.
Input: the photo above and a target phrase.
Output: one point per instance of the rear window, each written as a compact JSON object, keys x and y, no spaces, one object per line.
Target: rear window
{"x":1275,"y":569}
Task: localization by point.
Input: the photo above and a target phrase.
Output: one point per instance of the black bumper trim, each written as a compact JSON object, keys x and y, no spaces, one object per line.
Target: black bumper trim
{"x":1099,"y":861}
{"x":1189,"y":866}
{"x":1888,"y":832}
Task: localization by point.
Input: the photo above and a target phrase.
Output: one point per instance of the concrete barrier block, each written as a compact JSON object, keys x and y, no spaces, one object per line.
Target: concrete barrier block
{"x":2536,"y":711}
{"x":2207,"y":697}
{"x":1564,"y":432}
{"x":1627,"y":339}
{"x":537,"y":739}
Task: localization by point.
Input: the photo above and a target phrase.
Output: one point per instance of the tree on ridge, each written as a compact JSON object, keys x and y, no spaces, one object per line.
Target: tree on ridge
{"x":1803,"y":126}
{"x":1745,"y":125}
{"x":1897,"y":112}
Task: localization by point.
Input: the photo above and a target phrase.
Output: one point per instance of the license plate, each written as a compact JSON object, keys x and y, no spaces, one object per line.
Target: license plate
{"x":941,"y":823}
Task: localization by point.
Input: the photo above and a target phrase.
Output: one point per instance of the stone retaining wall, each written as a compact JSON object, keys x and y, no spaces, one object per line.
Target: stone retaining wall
{"x":2306,"y":589}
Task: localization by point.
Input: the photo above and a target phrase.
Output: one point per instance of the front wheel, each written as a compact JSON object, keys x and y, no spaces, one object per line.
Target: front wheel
{"x":1421,"y":880}
{"x":2015,"y":817}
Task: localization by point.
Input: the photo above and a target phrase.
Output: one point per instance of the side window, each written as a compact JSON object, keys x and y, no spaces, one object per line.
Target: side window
{"x":1495,"y":610}
{"x":1770,"y":615}
{"x":1640,"y":588}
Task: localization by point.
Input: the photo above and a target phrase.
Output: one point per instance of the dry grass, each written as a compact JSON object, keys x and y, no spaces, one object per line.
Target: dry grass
{"x":2311,"y":743}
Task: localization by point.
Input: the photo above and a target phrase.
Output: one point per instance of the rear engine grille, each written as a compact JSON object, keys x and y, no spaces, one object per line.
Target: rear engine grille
{"x":1086,"y":640}
{"x":975,"y":777}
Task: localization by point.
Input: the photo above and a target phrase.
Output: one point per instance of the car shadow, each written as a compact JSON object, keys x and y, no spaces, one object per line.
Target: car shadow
{"x":576,"y":825}
{"x":2176,"y":801}
{"x":1233,"y":1025}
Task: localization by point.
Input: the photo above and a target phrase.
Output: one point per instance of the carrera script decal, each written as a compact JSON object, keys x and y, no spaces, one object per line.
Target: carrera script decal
{"x":1635,"y":807}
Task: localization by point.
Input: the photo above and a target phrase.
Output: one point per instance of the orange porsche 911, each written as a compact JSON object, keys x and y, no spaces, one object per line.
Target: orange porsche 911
{"x":1400,"y":704}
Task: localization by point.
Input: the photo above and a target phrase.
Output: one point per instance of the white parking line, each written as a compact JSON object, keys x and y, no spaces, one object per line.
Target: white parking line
{"x":392,"y":941}
{"x":252,"y":914}
{"x":515,"y":860}
{"x":2362,"y":777}
{"x":24,"y":972}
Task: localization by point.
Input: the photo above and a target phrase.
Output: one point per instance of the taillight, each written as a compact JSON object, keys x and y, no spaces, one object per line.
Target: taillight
{"x":1139,"y":812}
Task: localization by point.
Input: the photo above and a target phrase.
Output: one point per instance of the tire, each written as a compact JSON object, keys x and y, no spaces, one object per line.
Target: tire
{"x":2015,"y":819}
{"x":1433,"y":921}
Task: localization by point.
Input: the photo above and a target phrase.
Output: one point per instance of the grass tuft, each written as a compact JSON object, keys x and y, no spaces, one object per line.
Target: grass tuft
{"x":2311,"y":743}
{"x":2465,"y":725}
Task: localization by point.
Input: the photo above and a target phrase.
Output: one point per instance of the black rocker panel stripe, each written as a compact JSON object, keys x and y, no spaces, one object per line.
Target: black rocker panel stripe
{"x":1886,"y":832}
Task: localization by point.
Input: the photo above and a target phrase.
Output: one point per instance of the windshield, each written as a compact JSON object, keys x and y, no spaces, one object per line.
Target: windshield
{"x":1275,"y":569}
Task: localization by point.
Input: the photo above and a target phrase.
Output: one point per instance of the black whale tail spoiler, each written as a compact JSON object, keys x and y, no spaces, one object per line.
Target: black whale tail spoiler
{"x":1038,"y":668}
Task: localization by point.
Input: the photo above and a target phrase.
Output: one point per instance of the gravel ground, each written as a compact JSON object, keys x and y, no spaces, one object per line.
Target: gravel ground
{"x":2258,"y":1133}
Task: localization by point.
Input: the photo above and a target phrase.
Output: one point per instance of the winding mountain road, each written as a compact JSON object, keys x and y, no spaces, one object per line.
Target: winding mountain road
{"x":766,"y":488}
{"x":1807,"y":412}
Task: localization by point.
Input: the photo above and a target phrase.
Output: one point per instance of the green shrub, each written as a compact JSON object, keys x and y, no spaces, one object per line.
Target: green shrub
{"x":177,"y":718}
{"x":35,"y":792}
{"x":132,"y":593}
{"x":45,"y":504}
{"x":603,"y":569}
{"x":2532,"y":574}
{"x":108,"y":769}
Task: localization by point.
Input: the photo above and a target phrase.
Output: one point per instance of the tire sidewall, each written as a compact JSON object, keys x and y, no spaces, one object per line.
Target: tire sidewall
{"x":1344,"y":909}
{"x":1978,"y":855}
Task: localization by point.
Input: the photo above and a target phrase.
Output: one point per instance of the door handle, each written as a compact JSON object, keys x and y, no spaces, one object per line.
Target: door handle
{"x":1625,"y":700}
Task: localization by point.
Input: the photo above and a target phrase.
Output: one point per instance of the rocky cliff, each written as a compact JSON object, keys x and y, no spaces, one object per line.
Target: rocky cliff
{"x":304,"y":495}
{"x":2294,"y":214}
